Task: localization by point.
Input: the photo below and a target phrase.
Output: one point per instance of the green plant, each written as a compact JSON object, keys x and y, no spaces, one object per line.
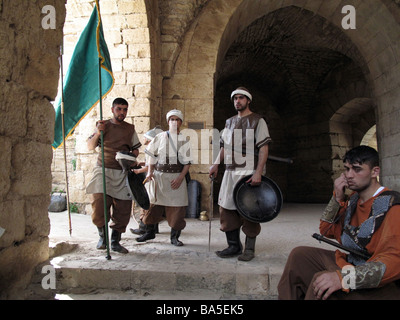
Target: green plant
{"x":73,"y":161}
{"x":73,"y":207}
{"x":57,"y":190}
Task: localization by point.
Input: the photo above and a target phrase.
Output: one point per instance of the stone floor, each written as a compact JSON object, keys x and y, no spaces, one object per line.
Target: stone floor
{"x":159,"y":270}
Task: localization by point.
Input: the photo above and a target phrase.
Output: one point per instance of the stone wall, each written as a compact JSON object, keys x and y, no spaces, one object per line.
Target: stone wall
{"x":174,"y":54}
{"x":136,"y":68}
{"x":29,"y":73}
{"x":144,"y":39}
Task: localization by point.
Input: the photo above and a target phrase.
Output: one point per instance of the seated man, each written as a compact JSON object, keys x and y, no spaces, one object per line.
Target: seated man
{"x":367,"y":223}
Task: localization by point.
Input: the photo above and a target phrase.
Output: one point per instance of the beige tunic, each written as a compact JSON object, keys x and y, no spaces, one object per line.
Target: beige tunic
{"x":161,"y":192}
{"x":231,"y":177}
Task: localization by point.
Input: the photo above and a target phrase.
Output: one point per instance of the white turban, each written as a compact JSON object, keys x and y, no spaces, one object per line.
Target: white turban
{"x":242,"y":91}
{"x":175,"y":112}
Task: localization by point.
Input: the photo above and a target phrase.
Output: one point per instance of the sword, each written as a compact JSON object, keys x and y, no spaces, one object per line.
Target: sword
{"x":319,"y":237}
{"x":255,"y":152}
{"x":211,"y":212}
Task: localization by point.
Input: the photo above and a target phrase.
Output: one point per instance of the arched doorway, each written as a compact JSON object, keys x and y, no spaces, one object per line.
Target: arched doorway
{"x":298,"y":67}
{"x":132,"y":40}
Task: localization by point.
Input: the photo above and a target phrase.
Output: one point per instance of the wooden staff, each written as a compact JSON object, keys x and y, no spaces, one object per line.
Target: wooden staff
{"x":63,"y":134}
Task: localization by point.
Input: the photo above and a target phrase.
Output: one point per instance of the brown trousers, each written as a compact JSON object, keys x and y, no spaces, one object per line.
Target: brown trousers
{"x":231,"y":220}
{"x":174,"y":215}
{"x":120,"y":213}
{"x":304,"y":264}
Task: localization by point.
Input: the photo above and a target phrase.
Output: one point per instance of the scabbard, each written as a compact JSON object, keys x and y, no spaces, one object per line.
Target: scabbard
{"x":338,"y":245}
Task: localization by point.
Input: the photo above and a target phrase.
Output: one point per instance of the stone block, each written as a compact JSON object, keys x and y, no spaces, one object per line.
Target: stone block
{"x":118,"y":51}
{"x":254,"y":284}
{"x":137,"y":20}
{"x":12,"y":220}
{"x":32,"y":173}
{"x":40,"y":120}
{"x":134,"y":36}
{"x":129,"y":6}
{"x":16,"y":273}
{"x":58,"y":203}
{"x":13,"y":124}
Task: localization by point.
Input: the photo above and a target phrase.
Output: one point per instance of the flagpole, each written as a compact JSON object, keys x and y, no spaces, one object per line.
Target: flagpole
{"x":108,"y":257}
{"x":63,"y":134}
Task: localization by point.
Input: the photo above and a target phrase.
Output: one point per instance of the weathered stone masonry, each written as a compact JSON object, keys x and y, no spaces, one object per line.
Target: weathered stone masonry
{"x":29,"y":73}
{"x":323,"y":89}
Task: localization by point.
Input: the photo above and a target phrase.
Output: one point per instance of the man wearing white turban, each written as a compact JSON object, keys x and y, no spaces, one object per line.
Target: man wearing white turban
{"x":230,"y":219}
{"x":170,"y":158}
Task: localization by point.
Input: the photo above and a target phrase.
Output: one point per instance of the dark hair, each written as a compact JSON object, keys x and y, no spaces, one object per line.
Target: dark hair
{"x":362,"y":154}
{"x":120,"y":101}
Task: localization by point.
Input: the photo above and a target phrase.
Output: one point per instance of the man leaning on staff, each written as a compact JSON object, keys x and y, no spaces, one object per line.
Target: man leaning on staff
{"x":119,"y":135}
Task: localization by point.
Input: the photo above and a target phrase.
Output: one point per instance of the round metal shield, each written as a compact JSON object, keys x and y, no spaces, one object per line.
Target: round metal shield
{"x":138,"y":191}
{"x":258,"y":203}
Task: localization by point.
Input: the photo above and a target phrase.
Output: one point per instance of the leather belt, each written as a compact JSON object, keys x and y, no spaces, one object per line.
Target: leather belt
{"x":170,"y":168}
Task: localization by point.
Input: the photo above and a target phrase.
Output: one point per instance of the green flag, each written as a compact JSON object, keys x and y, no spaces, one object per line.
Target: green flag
{"x":81,"y":88}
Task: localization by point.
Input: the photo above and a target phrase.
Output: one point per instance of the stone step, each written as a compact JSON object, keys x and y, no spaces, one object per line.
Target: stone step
{"x":156,"y":273}
{"x":157,"y":269}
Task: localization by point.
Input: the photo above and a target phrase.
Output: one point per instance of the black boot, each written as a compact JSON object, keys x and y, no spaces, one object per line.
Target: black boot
{"x":115,"y":239}
{"x":248,"y":253}
{"x":234,"y":245}
{"x":156,"y":230}
{"x":141,"y":230}
{"x":149,"y":233}
{"x":174,"y":238}
{"x":101,"y":245}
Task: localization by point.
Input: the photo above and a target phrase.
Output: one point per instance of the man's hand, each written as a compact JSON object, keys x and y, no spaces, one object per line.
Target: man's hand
{"x":213,"y":171}
{"x":176,"y":183}
{"x":339,"y":186}
{"x":326,"y":284}
{"x":255,"y":179}
{"x":101,"y":125}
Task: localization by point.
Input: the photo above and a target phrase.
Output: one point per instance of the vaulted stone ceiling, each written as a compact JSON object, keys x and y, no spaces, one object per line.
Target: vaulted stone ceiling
{"x":289,"y":54}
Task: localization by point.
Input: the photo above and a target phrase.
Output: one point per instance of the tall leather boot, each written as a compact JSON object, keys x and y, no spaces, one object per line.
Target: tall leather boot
{"x":234,"y":245}
{"x":141,"y":230}
{"x":149,"y":233}
{"x":115,"y":239}
{"x":248,"y":253}
{"x":101,"y":245}
{"x":174,"y":238}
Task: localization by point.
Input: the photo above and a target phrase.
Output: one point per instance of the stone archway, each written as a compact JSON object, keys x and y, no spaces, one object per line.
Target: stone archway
{"x":133,"y":40}
{"x":193,"y":85}
{"x":348,"y":127}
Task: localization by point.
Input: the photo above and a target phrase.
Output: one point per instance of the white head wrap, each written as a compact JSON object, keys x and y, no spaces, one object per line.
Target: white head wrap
{"x":242,"y":91}
{"x":175,"y":112}
{"x":149,"y":135}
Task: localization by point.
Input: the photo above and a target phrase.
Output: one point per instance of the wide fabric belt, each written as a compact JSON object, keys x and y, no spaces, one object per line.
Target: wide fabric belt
{"x":170,"y":168}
